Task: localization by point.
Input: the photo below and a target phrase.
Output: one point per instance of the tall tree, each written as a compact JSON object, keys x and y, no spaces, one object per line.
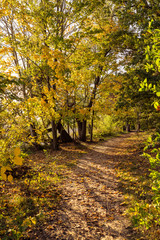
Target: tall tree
{"x":134,"y":18}
{"x":93,"y":59}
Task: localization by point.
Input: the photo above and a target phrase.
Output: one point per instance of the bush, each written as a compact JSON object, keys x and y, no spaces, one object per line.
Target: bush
{"x":105,"y":126}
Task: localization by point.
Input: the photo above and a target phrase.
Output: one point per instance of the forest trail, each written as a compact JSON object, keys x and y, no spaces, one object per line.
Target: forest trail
{"x":92,"y":204}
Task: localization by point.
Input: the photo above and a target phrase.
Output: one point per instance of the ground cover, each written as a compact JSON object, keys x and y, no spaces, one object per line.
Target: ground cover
{"x":87,"y":191}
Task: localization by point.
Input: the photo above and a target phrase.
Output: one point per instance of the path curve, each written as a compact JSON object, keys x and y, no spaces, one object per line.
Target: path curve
{"x":91,"y":206}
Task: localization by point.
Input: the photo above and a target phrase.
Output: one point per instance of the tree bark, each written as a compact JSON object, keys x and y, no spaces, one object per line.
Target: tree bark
{"x":91,"y":127}
{"x":138,"y":122}
{"x":138,"y":127}
{"x":54,"y":135}
{"x":128,"y":127}
{"x":82,"y":130}
{"x":64,"y":136}
{"x":68,"y":128}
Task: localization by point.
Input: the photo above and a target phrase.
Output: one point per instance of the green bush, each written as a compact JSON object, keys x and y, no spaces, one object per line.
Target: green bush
{"x":105,"y":126}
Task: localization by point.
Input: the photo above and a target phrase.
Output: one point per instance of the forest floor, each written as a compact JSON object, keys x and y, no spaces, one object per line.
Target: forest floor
{"x":90,"y":194}
{"x":92,"y":198}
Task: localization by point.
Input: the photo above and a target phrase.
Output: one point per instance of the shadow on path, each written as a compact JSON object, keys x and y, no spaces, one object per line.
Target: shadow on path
{"x":91,"y":206}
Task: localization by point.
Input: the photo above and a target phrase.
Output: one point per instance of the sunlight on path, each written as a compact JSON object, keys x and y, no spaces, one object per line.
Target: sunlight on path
{"x":91,"y":206}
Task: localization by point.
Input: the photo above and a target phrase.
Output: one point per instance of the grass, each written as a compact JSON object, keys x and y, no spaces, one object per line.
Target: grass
{"x":136,"y":185}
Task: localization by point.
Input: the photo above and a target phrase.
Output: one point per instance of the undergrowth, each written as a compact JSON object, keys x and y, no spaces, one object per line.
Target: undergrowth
{"x":32,"y":199}
{"x":140,"y":182}
{"x":105,"y":126}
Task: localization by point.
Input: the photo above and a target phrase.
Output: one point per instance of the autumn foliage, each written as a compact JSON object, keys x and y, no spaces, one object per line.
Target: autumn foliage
{"x":67,"y":66}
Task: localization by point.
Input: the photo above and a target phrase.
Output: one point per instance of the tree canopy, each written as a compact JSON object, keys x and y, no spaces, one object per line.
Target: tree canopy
{"x":62,"y":62}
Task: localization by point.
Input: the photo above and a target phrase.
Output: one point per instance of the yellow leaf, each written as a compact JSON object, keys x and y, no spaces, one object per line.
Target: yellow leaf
{"x":18,"y":160}
{"x":10,"y":178}
{"x":26,"y":181}
{"x":17,"y":151}
{"x":4,"y":176}
{"x":33,"y":220}
{"x":3,"y":170}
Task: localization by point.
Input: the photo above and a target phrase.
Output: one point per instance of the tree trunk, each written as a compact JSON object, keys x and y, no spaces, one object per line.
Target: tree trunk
{"x":32,"y":131}
{"x":91,"y":127}
{"x":128,"y":127}
{"x":124,"y":128}
{"x":74,"y":129}
{"x":64,"y":136}
{"x":138,"y":127}
{"x":34,"y":135}
{"x":68,"y":128}
{"x":82,"y":130}
{"x":54,"y":135}
{"x":138,"y":123}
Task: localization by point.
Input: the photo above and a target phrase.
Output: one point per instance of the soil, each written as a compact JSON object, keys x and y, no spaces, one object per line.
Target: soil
{"x":92,"y":206}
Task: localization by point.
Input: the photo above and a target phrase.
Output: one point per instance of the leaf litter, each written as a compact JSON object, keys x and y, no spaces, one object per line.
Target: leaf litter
{"x":78,"y":194}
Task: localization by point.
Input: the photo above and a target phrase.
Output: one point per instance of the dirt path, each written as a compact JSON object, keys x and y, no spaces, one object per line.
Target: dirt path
{"x":91,"y":206}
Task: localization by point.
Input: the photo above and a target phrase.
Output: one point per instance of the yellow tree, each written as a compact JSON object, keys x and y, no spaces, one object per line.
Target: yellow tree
{"x":92,"y":62}
{"x":37,"y":37}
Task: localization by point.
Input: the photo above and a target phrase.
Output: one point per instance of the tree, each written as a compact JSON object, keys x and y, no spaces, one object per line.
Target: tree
{"x":37,"y":48}
{"x":133,"y":18}
{"x":91,"y":62}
